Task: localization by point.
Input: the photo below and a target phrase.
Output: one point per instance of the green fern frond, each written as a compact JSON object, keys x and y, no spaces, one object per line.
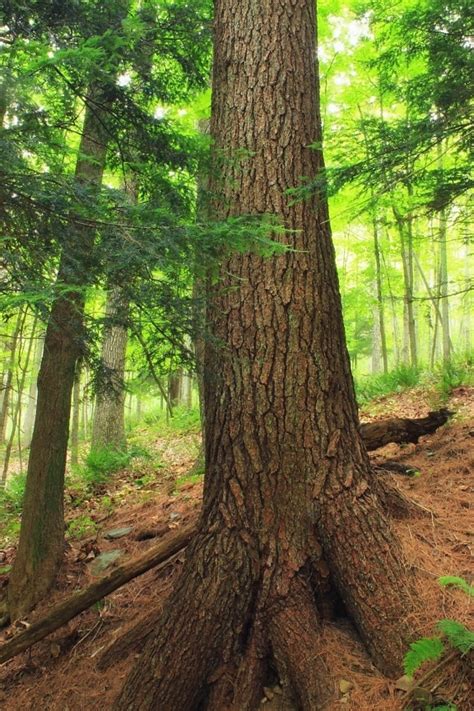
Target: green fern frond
{"x":458,"y":582}
{"x":423,"y":650}
{"x":457,"y":634}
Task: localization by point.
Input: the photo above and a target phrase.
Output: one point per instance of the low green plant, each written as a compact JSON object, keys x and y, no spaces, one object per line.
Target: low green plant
{"x":453,"y":632}
{"x":12,"y":494}
{"x":184,"y":420}
{"x":454,"y":373}
{"x":455,"y":581}
{"x":397,"y":380}
{"x":81,"y":527}
{"x":101,"y":463}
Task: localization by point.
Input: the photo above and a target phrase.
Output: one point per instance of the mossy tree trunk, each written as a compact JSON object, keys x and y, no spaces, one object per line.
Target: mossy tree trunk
{"x":40,"y":547}
{"x":288,"y":489}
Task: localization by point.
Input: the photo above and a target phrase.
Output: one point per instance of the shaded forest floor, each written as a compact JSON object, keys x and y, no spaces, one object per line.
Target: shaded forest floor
{"x":60,"y":673}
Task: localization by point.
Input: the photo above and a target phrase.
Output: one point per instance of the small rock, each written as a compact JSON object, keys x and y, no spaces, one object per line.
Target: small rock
{"x":345,"y":686}
{"x":268,"y":693}
{"x":405,"y":683}
{"x":118,"y":532}
{"x":104,"y":561}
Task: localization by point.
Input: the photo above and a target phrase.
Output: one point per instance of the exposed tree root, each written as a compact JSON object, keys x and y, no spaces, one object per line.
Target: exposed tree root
{"x":377,"y":589}
{"x":129,"y":641}
{"x":240,"y":687}
{"x":179,"y":658}
{"x":396,"y":503}
{"x":295,"y":634}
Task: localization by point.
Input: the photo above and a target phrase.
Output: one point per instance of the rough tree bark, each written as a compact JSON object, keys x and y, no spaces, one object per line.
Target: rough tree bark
{"x":40,"y":547}
{"x":108,"y":429}
{"x":288,"y":481}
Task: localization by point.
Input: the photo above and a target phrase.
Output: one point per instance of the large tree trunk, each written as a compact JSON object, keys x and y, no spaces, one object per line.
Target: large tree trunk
{"x":40,"y":547}
{"x":288,"y":482}
{"x":108,"y":429}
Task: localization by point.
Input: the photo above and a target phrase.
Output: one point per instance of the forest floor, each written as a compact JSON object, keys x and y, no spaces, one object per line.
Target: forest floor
{"x":60,"y":673}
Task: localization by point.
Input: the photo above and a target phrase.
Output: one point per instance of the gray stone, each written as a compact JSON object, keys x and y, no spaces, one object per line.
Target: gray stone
{"x":118,"y":532}
{"x":105,"y":560}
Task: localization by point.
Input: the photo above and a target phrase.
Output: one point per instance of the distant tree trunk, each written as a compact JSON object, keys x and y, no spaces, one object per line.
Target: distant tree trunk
{"x":406,"y":249}
{"x":75,"y":415}
{"x":174,"y":387}
{"x":379,"y":291}
{"x":8,"y":376}
{"x":443,"y":264}
{"x":108,"y":429}
{"x":40,"y":547}
{"x":466,"y":329}
{"x":288,"y":490}
{"x":16,"y":418}
{"x":379,"y":326}
{"x":185,"y":391}
{"x":32,"y":394}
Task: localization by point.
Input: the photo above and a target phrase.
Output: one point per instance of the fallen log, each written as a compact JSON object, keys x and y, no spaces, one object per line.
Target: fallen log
{"x":401,"y":430}
{"x":67,"y":609}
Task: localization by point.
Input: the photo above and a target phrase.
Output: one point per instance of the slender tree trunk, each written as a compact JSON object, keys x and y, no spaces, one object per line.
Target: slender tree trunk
{"x":174,"y":387}
{"x":16,"y":418}
{"x":288,"y":488}
{"x":443,"y":263}
{"x":466,"y":332}
{"x":409,"y":326}
{"x":8,"y":377}
{"x":108,"y":429}
{"x":32,"y":394}
{"x":76,"y":407}
{"x":40,"y":547}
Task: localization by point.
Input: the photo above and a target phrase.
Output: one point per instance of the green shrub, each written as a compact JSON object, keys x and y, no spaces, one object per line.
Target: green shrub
{"x":81,"y":527}
{"x":454,"y":632}
{"x":101,"y":463}
{"x":373,"y":386}
{"x":184,"y":420}
{"x":449,"y":375}
{"x":12,"y":495}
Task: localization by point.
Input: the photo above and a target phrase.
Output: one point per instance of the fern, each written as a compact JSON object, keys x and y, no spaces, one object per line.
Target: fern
{"x":457,"y":634}
{"x":460,"y":583}
{"x":423,"y":650}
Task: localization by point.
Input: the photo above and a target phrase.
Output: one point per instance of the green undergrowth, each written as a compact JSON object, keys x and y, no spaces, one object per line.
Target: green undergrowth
{"x":452,"y":636}
{"x":11,"y":502}
{"x":441,"y":381}
{"x":183,"y":421}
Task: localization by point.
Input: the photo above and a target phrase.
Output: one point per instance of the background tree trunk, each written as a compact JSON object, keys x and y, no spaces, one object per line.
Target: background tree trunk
{"x":29,"y":420}
{"x":108,"y":429}
{"x":288,"y":480}
{"x":40,"y":547}
{"x":8,"y":376}
{"x":76,"y":407}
